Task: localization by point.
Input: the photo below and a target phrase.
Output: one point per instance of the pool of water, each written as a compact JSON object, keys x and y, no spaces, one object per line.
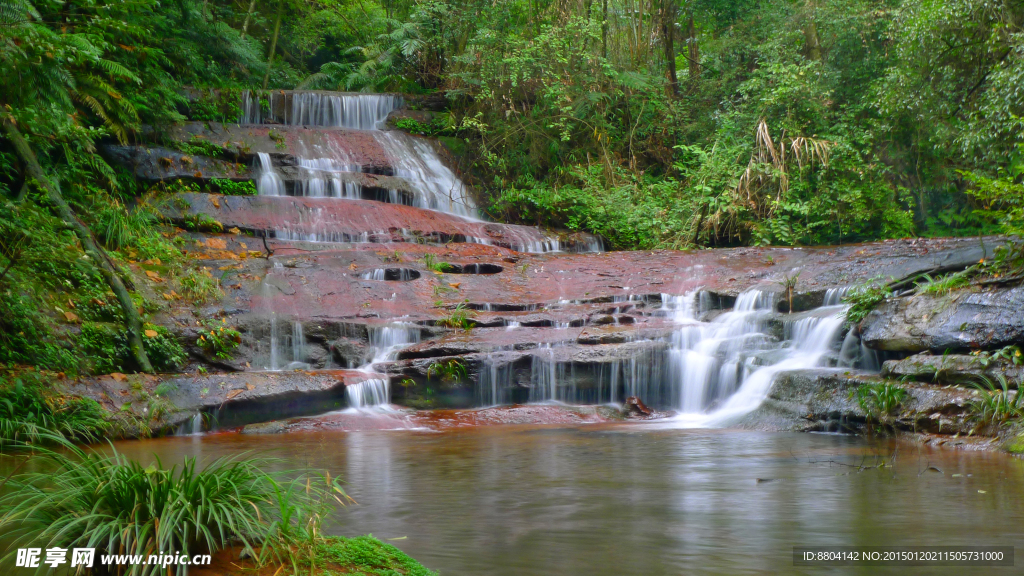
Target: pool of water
{"x":615,"y":499}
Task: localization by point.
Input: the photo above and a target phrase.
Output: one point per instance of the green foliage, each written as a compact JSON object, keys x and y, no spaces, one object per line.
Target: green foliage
{"x":879,"y":400}
{"x":198,"y":146}
{"x":944,"y":284}
{"x":202,"y":222}
{"x":89,"y":499}
{"x":232,"y":188}
{"x":367,"y":555}
{"x":458,"y":317}
{"x":33,"y":413}
{"x":431,"y":263}
{"x":995,"y":405}
{"x":864,"y":298}
{"x":451,"y":370}
{"x":1008,"y":354}
{"x":199,"y":286}
{"x":164,"y":351}
{"x":219,"y":340}
{"x":436,"y":126}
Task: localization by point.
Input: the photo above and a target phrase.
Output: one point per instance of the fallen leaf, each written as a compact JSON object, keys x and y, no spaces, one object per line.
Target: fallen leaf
{"x":456,"y":285}
{"x":234,"y":393}
{"x":167,"y":296}
{"x":151,"y":334}
{"x":71,"y":316}
{"x":234,"y":230}
{"x":352,"y":266}
{"x":217,"y":243}
{"x":249,"y":386}
{"x":215,"y":201}
{"x":118,"y":376}
{"x":242,"y":244}
{"x":155,"y":276}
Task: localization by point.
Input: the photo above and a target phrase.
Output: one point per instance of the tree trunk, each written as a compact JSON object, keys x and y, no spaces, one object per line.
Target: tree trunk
{"x":693,"y":57}
{"x":273,"y":43}
{"x":248,"y":18}
{"x":668,"y":30}
{"x":604,"y":30}
{"x":812,"y":44}
{"x":131,"y":315}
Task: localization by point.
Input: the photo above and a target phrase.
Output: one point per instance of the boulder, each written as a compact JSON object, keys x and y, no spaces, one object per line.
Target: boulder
{"x":954,"y":368}
{"x":960,"y":321}
{"x":824,"y":400}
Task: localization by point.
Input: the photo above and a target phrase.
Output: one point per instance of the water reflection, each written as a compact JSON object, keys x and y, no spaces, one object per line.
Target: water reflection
{"x":619,"y":499}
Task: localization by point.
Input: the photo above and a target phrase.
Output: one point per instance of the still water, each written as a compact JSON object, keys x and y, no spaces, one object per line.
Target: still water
{"x":633,"y":499}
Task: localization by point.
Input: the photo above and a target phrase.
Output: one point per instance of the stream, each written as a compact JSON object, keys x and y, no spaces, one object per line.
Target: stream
{"x":614,"y":499}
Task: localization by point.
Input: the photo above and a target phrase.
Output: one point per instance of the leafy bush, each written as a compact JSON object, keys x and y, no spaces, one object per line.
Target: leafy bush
{"x":165,"y":352}
{"x":219,"y":340}
{"x":198,"y":146}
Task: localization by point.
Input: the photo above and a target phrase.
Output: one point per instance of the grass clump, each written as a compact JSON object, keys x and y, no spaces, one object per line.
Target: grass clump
{"x":864,"y":298}
{"x":113,"y":504}
{"x":996,"y":404}
{"x":232,"y":188}
{"x":32,"y":414}
{"x":200,"y":286}
{"x":880,"y":401}
{"x":458,"y":318}
{"x":430,"y":262}
{"x":451,"y":370}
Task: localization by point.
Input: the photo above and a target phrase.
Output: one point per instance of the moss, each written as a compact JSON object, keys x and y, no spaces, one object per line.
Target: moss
{"x":367,"y":555}
{"x":1015,"y":445}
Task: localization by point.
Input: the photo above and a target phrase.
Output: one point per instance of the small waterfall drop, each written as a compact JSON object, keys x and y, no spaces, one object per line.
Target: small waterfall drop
{"x":269,"y":182}
{"x":372,"y":392}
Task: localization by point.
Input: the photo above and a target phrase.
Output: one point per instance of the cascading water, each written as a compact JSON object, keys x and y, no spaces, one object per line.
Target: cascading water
{"x":436,"y":186}
{"x":353,"y":111}
{"x":726,"y":367}
{"x":326,"y":166}
{"x":269,"y":182}
{"x":385,"y":342}
{"x":709,"y":372}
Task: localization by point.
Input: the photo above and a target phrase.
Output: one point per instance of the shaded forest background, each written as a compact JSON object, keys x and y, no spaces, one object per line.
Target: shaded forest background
{"x":655,"y":123}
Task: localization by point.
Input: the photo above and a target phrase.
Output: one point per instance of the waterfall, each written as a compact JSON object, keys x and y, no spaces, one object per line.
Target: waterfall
{"x":269,"y":182}
{"x":352,"y":111}
{"x":708,"y":372}
{"x":728,"y":366}
{"x":436,"y":186}
{"x":373,"y":392}
{"x":192,"y":427}
{"x":385,"y":341}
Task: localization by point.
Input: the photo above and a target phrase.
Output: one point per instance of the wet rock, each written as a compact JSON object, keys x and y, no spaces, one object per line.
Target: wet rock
{"x":159,"y":164}
{"x":954,"y":368}
{"x":351,"y":352}
{"x":231,"y":399}
{"x":635,"y":407}
{"x":824,"y":400}
{"x":959,"y":321}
